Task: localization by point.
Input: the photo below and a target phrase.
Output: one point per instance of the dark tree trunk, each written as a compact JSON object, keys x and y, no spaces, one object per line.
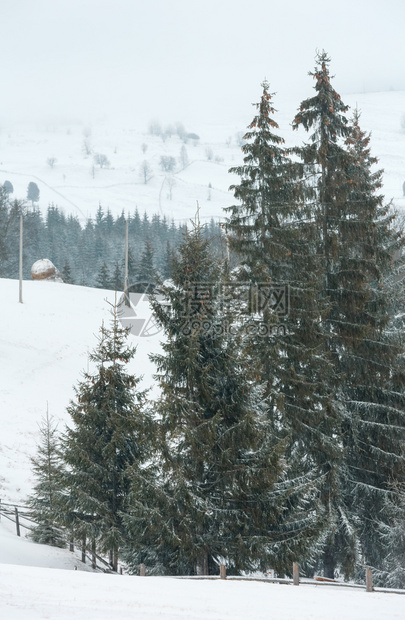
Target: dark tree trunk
{"x":329,"y":563}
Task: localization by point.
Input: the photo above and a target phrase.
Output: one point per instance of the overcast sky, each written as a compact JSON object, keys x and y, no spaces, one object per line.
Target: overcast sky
{"x":187,"y":59}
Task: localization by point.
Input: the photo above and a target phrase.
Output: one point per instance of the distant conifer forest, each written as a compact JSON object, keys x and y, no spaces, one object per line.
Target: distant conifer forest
{"x":91,"y":253}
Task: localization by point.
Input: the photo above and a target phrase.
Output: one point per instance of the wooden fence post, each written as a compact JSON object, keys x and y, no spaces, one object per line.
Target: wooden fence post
{"x":93,"y":555}
{"x":84,"y":550}
{"x":17,"y":521}
{"x":369,"y":580}
{"x":142,"y":570}
{"x":222,"y":571}
{"x":296,"y":574}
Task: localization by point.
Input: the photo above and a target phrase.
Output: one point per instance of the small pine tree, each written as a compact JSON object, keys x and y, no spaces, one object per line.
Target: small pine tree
{"x":33,"y":192}
{"x":44,"y":501}
{"x":146,"y":271}
{"x":67,"y":273}
{"x":103,"y":277}
{"x":106,"y":443}
{"x":168,"y":262}
{"x":117,"y":277}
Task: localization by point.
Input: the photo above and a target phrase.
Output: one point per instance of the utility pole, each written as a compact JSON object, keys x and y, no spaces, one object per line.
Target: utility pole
{"x":126,"y":296}
{"x":21,"y":258}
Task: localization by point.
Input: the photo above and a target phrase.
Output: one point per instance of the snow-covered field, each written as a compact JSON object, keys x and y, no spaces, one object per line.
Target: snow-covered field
{"x":78,"y":186}
{"x":39,"y":582}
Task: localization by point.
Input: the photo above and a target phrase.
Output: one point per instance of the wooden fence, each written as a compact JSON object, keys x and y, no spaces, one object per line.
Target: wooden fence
{"x":21,"y":515}
{"x":297,"y":580}
{"x":18,"y":514}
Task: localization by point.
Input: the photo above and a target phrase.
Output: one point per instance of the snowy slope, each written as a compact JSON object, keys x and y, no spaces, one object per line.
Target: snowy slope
{"x":23,"y":552}
{"x":44,"y":346}
{"x":74,"y":186}
{"x":78,"y":186}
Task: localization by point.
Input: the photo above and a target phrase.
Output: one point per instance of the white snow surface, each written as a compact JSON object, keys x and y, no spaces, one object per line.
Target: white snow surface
{"x":29,"y":593}
{"x":23,"y":552}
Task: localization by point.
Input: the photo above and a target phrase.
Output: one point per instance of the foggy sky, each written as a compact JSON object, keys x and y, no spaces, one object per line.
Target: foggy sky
{"x":186,"y":59}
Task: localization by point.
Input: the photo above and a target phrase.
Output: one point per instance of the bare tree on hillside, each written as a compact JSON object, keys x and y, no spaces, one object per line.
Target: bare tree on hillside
{"x":101,"y":160}
{"x":51,"y":161}
{"x":145,"y":172}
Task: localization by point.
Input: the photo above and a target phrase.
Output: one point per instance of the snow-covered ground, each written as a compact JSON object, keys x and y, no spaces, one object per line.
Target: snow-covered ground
{"x":23,"y":552}
{"x":29,"y":593}
{"x":78,"y":186}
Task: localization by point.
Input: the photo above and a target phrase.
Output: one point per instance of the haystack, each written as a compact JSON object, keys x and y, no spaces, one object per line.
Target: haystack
{"x":44,"y":269}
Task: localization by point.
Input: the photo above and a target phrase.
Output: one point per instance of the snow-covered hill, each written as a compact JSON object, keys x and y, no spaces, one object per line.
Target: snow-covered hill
{"x":77,"y":185}
{"x":44,"y":345}
{"x":23,"y":552}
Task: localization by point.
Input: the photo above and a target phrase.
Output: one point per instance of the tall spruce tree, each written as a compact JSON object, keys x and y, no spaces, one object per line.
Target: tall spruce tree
{"x":357,"y":242}
{"x":44,"y":501}
{"x":277,"y":240}
{"x":222,"y":492}
{"x":105,"y":444}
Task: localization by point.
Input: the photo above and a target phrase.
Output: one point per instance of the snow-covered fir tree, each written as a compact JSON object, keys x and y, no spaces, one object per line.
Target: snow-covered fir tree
{"x":222,"y":494}
{"x":104,"y":279}
{"x":277,"y":239}
{"x":146,"y":268}
{"x":357,"y":245}
{"x":45,"y":498}
{"x":105,"y":443}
